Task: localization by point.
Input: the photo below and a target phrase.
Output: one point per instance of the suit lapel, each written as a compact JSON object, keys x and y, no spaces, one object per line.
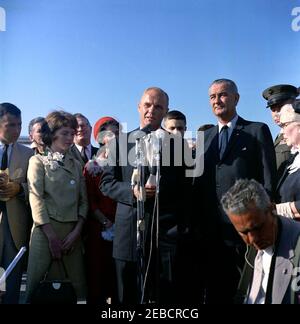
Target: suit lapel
{"x":234,"y":137}
{"x":212,"y":142}
{"x":278,"y":139}
{"x":14,"y":158}
{"x":283,"y":265}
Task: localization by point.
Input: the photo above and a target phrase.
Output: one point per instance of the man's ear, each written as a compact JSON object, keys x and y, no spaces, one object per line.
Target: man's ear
{"x":237,"y":98}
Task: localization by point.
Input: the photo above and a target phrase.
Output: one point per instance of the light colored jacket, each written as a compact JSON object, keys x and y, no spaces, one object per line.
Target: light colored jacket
{"x":18,"y":212}
{"x":59,"y":194}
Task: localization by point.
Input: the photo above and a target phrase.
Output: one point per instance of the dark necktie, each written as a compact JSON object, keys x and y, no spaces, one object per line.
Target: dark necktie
{"x":4,"y":161}
{"x":223,"y":138}
{"x":83,"y":155}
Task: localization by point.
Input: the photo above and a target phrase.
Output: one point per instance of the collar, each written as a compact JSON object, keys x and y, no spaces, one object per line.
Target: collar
{"x":88,"y":147}
{"x":231,"y":124}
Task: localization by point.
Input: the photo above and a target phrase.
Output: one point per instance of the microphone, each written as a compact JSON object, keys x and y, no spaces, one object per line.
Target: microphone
{"x":147,"y":129}
{"x":140,"y":133}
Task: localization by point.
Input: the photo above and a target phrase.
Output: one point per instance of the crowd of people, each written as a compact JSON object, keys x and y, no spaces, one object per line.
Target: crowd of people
{"x":134,"y":220}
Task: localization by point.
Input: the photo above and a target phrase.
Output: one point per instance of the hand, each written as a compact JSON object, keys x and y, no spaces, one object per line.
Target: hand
{"x":150,"y":191}
{"x":3,"y":179}
{"x":10,"y":190}
{"x":70,"y":241}
{"x":56,"y":249}
{"x":146,"y":193}
{"x":55,"y":244}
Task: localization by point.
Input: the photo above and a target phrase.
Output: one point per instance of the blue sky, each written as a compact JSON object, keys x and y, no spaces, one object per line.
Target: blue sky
{"x":97,"y":56}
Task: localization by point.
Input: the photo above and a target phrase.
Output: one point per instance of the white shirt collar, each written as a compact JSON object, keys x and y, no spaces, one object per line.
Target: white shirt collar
{"x":88,"y":149}
{"x":231,"y":124}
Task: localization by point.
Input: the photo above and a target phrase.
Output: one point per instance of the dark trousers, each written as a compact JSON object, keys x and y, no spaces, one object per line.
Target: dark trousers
{"x":159,"y":287}
{"x":223,"y":273}
{"x":8,"y":253}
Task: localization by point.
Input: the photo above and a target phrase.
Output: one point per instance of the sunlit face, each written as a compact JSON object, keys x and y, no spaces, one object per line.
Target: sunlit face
{"x":223,"y":101}
{"x":275,"y":112}
{"x":175,"y":126}
{"x":10,"y":128}
{"x":36,"y":134}
{"x":276,"y":108}
{"x":63,"y":139}
{"x":83,"y":132}
{"x":256,"y":227}
{"x":152,"y":108}
{"x":291,"y":133}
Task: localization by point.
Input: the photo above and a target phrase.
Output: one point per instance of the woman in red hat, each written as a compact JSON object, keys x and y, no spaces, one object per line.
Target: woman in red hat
{"x":101,"y":277}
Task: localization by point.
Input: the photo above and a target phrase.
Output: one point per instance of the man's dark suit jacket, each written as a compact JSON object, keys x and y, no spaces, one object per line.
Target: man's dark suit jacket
{"x":249,"y":154}
{"x":76,"y":154}
{"x":116,"y":184}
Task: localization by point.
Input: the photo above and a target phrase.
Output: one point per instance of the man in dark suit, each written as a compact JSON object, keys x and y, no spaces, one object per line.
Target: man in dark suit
{"x":270,"y":274}
{"x":234,"y":149}
{"x":277,"y":96}
{"x":117,"y":184}
{"x":82,"y":148}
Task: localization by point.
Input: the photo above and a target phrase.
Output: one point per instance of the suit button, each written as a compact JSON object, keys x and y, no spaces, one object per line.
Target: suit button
{"x":72,"y":182}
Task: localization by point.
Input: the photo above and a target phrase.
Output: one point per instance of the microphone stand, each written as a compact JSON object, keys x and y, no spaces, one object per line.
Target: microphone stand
{"x":140,"y":225}
{"x":157,"y":158}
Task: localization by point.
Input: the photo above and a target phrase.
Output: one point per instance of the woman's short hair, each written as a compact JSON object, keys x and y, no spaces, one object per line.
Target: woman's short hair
{"x":53,"y":122}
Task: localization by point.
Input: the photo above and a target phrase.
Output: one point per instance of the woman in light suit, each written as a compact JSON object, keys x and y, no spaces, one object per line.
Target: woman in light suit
{"x":57,"y":194}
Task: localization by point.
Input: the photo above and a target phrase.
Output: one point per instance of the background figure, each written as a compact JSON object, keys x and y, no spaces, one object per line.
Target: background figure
{"x":82,"y":149}
{"x":234,"y":149}
{"x":117,"y":184}
{"x":276,"y":97}
{"x":175,"y":122}
{"x":101,"y":273}
{"x":58,"y":200}
{"x":288,"y":187}
{"x":35,"y":135}
{"x":15,"y":220}
{"x":272,"y":275}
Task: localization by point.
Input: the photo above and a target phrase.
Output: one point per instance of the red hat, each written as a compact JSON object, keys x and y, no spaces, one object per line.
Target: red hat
{"x":100,"y":122}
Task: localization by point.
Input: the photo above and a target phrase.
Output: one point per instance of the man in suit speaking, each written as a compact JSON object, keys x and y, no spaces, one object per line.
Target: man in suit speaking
{"x":117,"y":184}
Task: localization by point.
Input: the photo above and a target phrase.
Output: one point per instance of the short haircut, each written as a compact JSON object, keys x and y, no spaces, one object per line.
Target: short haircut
{"x":54,"y":121}
{"x":245,"y":194}
{"x":175,"y":114}
{"x":37,"y":120}
{"x":204,"y":127}
{"x":79,"y":115}
{"x":159,"y":90}
{"x":233,"y":87}
{"x":8,"y":108}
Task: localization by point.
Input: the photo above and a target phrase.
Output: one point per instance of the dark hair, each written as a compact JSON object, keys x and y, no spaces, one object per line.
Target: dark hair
{"x":37,"y":120}
{"x":53,"y":122}
{"x":79,"y":115}
{"x":205,"y":127}
{"x":233,"y":87}
{"x":175,"y":114}
{"x":8,"y":108}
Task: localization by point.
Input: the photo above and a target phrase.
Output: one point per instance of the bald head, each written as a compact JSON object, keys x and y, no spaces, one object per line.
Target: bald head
{"x":153,"y":107}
